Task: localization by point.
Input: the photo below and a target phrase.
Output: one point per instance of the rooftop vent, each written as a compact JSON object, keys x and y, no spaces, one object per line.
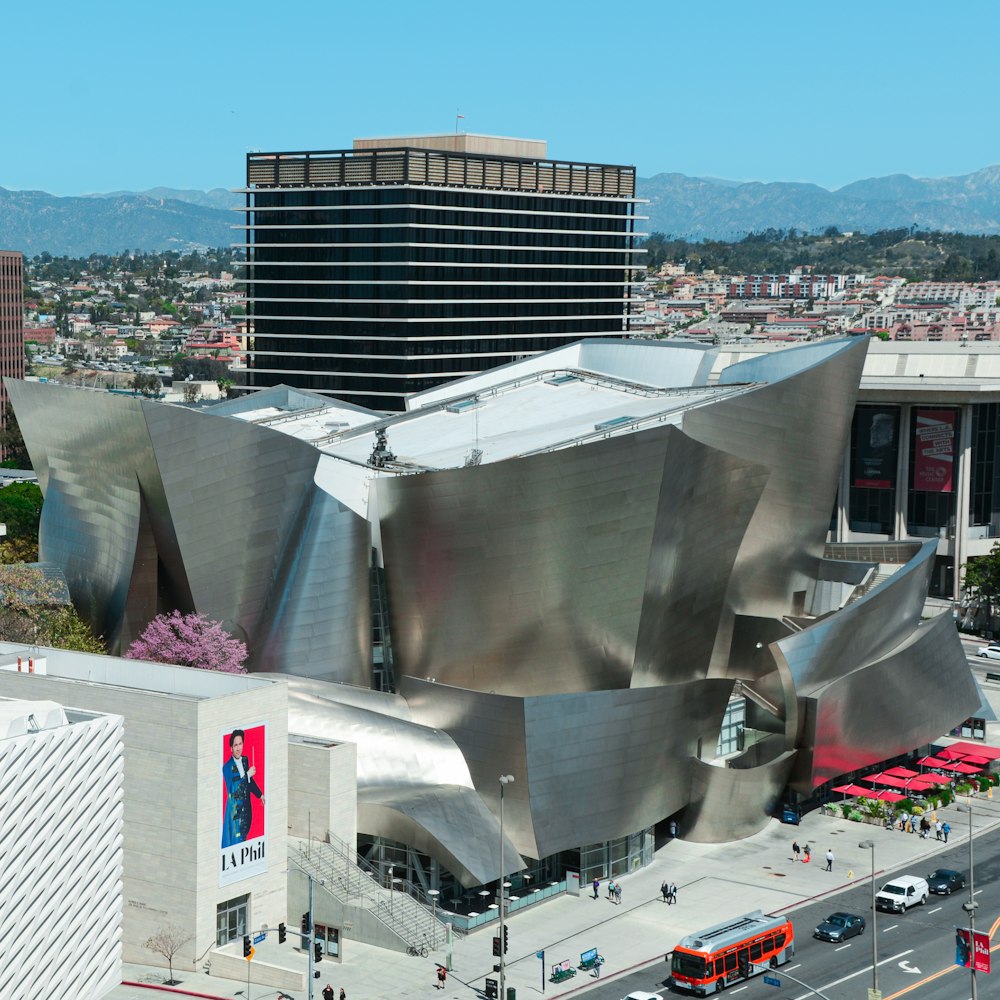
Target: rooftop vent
{"x":463,"y":405}
{"x":607,"y":425}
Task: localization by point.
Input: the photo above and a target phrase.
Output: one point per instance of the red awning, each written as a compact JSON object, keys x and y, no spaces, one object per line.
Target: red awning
{"x":932,"y":761}
{"x":959,"y":768}
{"x":901,"y":772}
{"x":951,"y":753}
{"x":884,"y":778}
{"x":852,"y":789}
{"x":886,"y":796}
{"x":967,"y":749}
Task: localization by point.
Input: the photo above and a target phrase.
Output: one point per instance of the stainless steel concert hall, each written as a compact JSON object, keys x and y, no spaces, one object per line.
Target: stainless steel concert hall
{"x":572,"y":569}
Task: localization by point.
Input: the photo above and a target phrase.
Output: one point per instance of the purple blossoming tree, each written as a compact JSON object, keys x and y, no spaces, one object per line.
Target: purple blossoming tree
{"x":189,"y":641}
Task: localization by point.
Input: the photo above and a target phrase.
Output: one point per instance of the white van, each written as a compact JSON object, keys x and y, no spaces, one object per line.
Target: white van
{"x":901,"y":893}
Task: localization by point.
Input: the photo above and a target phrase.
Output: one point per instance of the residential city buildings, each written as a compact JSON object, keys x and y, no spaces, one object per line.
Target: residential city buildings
{"x":11,"y":324}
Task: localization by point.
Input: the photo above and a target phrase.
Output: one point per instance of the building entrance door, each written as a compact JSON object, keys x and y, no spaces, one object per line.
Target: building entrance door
{"x":232,"y":919}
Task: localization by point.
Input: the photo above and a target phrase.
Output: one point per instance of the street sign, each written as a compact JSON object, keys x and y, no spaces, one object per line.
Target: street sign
{"x":259,"y":937}
{"x":250,"y":955}
{"x":772,"y":980}
{"x":492,"y":989}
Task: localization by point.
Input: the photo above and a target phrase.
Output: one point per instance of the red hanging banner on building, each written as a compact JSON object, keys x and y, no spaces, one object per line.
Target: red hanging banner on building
{"x":934,"y":454}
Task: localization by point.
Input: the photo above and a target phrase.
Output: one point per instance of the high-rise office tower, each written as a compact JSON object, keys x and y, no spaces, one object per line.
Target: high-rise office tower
{"x":402,"y":263}
{"x":11,"y":324}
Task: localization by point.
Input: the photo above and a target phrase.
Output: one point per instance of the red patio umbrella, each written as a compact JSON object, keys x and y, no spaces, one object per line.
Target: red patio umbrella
{"x":975,"y":749}
{"x":932,"y":761}
{"x":850,"y":789}
{"x":960,"y":768}
{"x":884,"y":778}
{"x":901,"y":772}
{"x":887,"y":796}
{"x":952,"y":753}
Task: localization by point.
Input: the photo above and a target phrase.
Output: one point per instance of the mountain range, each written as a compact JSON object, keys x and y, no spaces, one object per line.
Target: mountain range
{"x":690,"y":207}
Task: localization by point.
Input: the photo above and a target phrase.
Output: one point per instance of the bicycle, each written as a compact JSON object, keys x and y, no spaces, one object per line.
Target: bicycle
{"x":417,"y":950}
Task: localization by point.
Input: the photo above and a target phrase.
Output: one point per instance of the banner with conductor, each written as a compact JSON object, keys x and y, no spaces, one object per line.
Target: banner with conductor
{"x":243,"y":833}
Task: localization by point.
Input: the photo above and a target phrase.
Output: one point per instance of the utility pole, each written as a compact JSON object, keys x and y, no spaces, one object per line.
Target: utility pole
{"x":505,"y":779}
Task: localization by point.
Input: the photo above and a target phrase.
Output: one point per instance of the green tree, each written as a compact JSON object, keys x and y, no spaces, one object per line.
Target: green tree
{"x":12,"y":445}
{"x":33,"y":611}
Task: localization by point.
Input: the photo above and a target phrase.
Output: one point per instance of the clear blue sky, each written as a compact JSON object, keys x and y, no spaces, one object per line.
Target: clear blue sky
{"x":112,"y":95}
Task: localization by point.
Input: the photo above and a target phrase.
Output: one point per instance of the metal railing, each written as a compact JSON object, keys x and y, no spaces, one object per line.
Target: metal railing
{"x":404,"y":909}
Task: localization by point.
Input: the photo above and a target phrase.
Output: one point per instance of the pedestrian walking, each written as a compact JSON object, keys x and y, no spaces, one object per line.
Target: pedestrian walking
{"x":673,"y":892}
{"x":665,"y":890}
{"x":442,"y":976}
{"x":343,"y":993}
{"x":597,"y":887}
{"x":925,"y":827}
{"x":618,"y":893}
{"x":938,"y":827}
{"x":328,"y":992}
{"x":796,"y":850}
{"x":611,"y":889}
{"x":806,"y":856}
{"x":946,"y":829}
{"x":904,"y":819}
{"x":829,"y":861}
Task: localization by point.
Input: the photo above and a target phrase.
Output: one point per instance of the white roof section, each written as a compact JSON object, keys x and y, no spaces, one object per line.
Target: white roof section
{"x":18,"y":718}
{"x":142,"y":675}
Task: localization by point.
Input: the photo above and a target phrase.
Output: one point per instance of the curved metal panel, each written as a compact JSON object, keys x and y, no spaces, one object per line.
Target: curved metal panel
{"x":886,"y":708}
{"x":706,"y":501}
{"x":729,"y":803}
{"x":863,"y":631}
{"x":797,"y":427}
{"x":92,"y":450}
{"x":525,"y":576}
{"x":588,"y":767}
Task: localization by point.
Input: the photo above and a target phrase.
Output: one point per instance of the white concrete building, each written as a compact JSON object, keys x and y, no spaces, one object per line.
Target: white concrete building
{"x":61,"y":845}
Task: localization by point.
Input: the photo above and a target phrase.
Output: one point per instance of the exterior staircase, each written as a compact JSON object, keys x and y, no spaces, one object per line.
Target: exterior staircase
{"x":405,"y":911}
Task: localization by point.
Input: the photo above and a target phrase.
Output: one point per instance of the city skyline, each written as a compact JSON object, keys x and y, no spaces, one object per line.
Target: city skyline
{"x":803,"y":95}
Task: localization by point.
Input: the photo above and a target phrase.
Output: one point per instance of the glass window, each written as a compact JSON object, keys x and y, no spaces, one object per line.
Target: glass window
{"x":232,"y":919}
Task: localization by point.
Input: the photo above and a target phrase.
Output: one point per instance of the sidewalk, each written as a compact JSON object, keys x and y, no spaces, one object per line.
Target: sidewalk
{"x":713,"y":880}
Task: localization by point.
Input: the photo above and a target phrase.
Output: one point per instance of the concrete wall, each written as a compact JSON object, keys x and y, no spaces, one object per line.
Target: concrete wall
{"x":173,"y":801}
{"x":322,"y":789}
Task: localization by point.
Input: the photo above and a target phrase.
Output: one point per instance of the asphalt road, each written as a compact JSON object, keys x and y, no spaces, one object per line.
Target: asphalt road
{"x":916,"y":950}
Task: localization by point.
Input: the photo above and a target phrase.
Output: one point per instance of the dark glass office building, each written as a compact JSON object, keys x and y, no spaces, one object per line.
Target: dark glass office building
{"x":402,"y":263}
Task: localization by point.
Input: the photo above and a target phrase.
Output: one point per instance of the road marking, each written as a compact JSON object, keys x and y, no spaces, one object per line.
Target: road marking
{"x":843,"y":946}
{"x":792,"y":968}
{"x":936,"y":908}
{"x":891,"y":928}
{"x":739,"y":989}
{"x":861,"y":972}
{"x":912,"y":969}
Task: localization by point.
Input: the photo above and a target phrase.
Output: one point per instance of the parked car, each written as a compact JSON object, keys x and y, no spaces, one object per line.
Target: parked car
{"x":990,"y":652}
{"x":840,"y":927}
{"x":901,"y":893}
{"x":640,"y":995}
{"x":945,"y":881}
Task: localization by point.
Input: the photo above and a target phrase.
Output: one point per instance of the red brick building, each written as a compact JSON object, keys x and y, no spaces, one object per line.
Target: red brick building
{"x":11,"y":324}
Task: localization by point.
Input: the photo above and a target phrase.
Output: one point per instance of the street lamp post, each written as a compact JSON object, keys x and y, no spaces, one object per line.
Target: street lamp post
{"x":310,"y":938}
{"x":970,"y":906}
{"x":870,"y":845}
{"x":505,"y":779}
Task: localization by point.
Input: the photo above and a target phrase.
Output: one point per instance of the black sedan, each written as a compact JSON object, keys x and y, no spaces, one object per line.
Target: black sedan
{"x":945,"y":881}
{"x":840,"y":927}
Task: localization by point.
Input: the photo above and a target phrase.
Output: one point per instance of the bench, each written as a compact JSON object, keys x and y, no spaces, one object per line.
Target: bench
{"x":562,"y":972}
{"x":992,"y":676}
{"x":589,"y":964}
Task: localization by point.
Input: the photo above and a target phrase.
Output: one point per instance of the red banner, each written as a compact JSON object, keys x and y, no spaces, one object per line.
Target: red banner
{"x":972,"y":950}
{"x":934,"y":436}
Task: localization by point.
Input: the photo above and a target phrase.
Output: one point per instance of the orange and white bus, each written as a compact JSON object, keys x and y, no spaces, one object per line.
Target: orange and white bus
{"x":737,"y":949}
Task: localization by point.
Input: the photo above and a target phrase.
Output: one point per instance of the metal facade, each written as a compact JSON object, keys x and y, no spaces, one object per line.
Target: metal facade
{"x":578,"y":617}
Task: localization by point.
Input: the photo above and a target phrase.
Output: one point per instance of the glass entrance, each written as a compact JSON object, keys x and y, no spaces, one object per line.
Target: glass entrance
{"x":232,"y":919}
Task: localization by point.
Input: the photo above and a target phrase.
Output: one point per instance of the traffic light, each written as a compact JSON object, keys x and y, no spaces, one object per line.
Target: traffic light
{"x":505,"y":929}
{"x":496,"y":945}
{"x":317,"y":951}
{"x":305,"y":924}
{"x":282,"y":933}
{"x":246,"y":946}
